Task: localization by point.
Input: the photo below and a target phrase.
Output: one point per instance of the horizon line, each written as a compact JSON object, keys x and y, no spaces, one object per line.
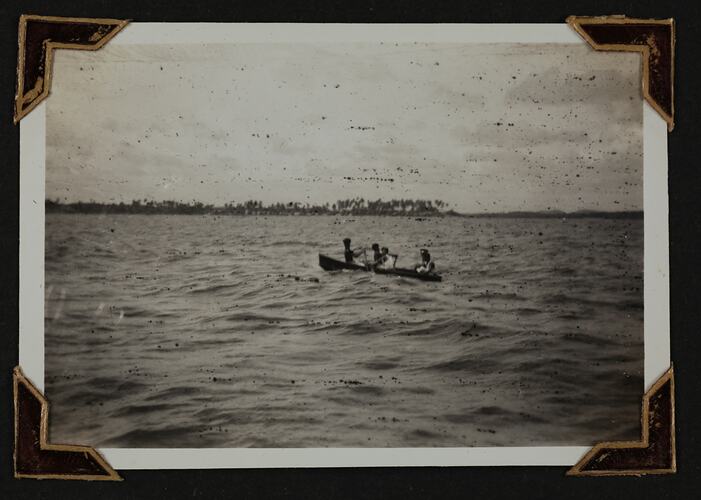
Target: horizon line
{"x":349,"y":211}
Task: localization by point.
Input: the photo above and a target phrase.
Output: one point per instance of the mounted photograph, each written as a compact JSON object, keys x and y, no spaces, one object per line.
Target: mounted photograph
{"x":334,"y":242}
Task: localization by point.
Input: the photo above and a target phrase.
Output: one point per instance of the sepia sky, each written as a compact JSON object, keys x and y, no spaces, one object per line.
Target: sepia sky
{"x":485,"y":128}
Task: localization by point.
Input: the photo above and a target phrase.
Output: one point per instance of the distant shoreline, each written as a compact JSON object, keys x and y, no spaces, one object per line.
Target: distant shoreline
{"x":558,"y":215}
{"x":385,"y":209}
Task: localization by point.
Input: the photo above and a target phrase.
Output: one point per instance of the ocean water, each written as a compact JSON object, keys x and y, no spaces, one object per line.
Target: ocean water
{"x":205,"y":331}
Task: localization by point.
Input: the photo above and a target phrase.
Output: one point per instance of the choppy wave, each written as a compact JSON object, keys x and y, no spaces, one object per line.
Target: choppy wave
{"x":189,"y":331}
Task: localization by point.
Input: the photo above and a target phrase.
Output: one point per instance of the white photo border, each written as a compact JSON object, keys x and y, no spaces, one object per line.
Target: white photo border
{"x":32,"y":220}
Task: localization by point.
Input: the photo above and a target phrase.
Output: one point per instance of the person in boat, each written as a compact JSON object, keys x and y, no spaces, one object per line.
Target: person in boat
{"x":349,"y":253}
{"x":427,"y":265}
{"x":376,"y":254}
{"x":387,"y":260}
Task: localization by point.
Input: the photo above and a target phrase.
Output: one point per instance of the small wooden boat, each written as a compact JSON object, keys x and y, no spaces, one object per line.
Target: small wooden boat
{"x":329,"y":264}
{"x":409,"y":273}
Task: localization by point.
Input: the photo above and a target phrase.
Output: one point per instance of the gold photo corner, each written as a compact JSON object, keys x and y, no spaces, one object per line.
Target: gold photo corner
{"x":653,"y":39}
{"x":655,"y":453}
{"x":38,"y":37}
{"x":34,"y":457}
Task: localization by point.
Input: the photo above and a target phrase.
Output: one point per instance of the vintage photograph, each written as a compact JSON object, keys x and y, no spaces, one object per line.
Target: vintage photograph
{"x":343,"y":245}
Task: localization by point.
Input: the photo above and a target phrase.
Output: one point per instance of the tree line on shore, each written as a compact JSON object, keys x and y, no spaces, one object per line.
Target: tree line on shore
{"x":353,"y":206}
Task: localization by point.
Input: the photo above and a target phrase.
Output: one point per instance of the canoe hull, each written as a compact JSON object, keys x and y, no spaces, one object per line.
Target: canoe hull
{"x":329,"y":264}
{"x":410,"y":273}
